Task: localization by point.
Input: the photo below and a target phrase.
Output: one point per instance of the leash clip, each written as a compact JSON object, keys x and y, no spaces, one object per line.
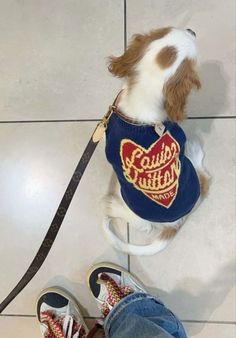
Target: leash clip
{"x":108,"y":115}
{"x":102,"y":125}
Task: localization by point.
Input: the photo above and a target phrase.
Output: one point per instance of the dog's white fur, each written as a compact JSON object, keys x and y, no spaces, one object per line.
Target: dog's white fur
{"x":144,"y":102}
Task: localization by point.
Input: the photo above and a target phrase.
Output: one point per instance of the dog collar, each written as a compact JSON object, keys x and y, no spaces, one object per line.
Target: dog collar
{"x":159,"y":127}
{"x":130,"y":120}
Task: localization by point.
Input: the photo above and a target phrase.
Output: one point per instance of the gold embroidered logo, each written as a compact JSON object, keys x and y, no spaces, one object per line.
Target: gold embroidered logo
{"x":154,"y":171}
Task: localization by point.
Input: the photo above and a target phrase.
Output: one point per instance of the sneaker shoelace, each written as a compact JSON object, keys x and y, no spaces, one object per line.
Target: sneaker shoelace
{"x":61,"y":327}
{"x":114,"y":293}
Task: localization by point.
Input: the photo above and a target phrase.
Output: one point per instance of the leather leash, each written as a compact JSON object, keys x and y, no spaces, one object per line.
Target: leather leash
{"x":62,"y":209}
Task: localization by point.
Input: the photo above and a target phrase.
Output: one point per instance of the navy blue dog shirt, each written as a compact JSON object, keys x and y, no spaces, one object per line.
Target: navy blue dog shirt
{"x":158,"y":182}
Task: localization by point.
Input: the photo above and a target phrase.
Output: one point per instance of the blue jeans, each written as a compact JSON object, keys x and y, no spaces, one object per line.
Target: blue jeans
{"x":140,"y":315}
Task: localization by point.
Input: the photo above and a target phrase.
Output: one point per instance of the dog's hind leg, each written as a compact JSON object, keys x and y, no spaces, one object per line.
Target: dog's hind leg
{"x":194,"y":152}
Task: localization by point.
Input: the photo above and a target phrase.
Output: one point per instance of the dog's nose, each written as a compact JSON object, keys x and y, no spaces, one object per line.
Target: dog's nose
{"x":191,"y":31}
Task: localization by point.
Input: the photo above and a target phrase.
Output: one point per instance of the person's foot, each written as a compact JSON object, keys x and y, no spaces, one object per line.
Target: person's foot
{"x":109,"y":283}
{"x":59,"y":315}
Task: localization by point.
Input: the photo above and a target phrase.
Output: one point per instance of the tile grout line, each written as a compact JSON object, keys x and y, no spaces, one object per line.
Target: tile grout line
{"x":97,"y":120}
{"x":128,"y":241}
{"x":125,"y":25}
{"x":222,"y":322}
{"x":125,"y":46}
{"x":51,"y":121}
{"x":211,"y":117}
{"x":17,"y":315}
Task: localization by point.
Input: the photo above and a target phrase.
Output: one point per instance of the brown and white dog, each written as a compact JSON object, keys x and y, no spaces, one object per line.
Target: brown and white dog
{"x":158,"y":69}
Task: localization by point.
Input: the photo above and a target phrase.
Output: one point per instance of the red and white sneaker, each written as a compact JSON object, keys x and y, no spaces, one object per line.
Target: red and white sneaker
{"x":109,"y":283}
{"x":59,"y":315}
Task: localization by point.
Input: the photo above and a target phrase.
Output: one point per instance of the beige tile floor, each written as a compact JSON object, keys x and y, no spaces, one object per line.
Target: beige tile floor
{"x":53,"y":68}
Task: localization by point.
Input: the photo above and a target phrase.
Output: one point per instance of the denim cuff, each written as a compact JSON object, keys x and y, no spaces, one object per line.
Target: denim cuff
{"x":121,"y":305}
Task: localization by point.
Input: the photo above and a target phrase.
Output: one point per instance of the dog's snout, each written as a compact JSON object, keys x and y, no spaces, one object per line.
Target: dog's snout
{"x":191,"y":31}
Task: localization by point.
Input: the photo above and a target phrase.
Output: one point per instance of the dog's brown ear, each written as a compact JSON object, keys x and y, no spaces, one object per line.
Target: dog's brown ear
{"x":123,"y":66}
{"x":177,"y":89}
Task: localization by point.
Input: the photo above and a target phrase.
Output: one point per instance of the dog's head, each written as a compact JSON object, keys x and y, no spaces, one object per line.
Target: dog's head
{"x":164,"y":59}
